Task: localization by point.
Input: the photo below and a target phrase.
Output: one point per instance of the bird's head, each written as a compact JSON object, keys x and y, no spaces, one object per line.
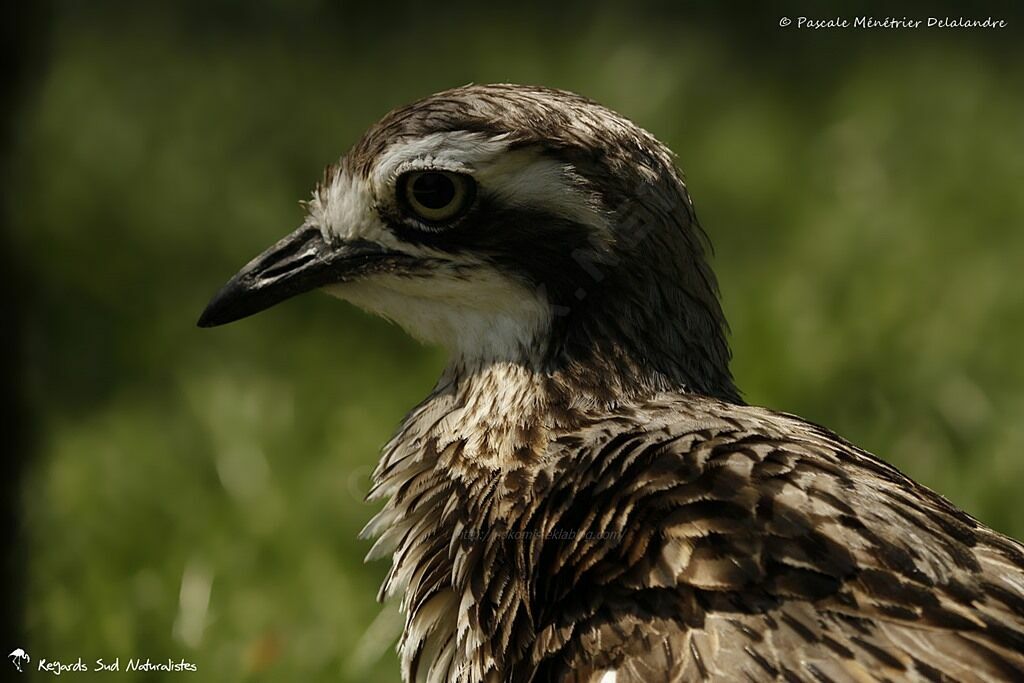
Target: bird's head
{"x":512,"y":224}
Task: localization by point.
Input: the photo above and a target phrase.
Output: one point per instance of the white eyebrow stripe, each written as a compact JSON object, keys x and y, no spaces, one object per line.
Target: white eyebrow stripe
{"x":453,"y":151}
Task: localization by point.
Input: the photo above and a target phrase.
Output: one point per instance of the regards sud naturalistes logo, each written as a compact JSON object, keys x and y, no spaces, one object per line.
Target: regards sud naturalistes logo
{"x":21,"y":661}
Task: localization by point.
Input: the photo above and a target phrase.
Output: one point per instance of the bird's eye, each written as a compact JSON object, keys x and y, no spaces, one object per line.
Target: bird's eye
{"x":436,"y":196}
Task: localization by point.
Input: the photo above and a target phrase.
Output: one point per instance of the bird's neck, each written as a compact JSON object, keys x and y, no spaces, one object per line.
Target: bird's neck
{"x":465,"y":455}
{"x":499,"y":411}
{"x":502,"y":401}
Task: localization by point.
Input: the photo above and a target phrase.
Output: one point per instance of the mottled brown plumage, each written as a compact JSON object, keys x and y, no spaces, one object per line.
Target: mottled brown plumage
{"x":726,"y":543}
{"x":584,"y":497}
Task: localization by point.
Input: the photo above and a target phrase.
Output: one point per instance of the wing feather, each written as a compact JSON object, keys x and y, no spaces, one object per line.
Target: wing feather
{"x":756,"y":546}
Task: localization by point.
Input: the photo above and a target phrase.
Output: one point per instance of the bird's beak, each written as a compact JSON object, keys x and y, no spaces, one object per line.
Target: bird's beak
{"x":300,"y":262}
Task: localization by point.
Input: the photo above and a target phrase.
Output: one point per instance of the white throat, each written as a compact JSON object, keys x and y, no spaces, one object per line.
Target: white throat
{"x":480,"y":317}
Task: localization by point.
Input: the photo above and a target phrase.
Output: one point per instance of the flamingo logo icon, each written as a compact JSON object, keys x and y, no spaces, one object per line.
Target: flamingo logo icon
{"x":18,"y":657}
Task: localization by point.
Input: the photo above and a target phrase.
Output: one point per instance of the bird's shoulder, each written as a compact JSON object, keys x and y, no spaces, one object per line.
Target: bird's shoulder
{"x":736,"y":541}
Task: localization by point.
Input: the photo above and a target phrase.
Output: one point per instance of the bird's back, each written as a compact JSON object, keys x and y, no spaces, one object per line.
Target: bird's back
{"x":713,"y":541}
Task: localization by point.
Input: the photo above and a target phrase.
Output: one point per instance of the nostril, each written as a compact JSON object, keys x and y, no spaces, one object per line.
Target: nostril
{"x":289,"y":265}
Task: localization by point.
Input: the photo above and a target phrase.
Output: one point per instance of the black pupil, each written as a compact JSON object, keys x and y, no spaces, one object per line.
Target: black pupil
{"x":433,"y":190}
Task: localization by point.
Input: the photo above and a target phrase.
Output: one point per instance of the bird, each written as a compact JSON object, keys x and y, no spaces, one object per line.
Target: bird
{"x":17,"y":657}
{"x":585,"y":496}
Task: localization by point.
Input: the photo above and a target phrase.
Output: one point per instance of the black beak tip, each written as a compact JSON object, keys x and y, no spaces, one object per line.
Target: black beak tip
{"x":210,"y":317}
{"x":207,"y":319}
{"x":222,"y":307}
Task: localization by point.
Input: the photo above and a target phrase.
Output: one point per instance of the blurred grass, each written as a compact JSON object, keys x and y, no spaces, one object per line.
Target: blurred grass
{"x":197,"y":494}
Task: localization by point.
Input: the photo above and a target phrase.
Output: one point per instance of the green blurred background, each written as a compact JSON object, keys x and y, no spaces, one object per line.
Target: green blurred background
{"x":197,"y":494}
